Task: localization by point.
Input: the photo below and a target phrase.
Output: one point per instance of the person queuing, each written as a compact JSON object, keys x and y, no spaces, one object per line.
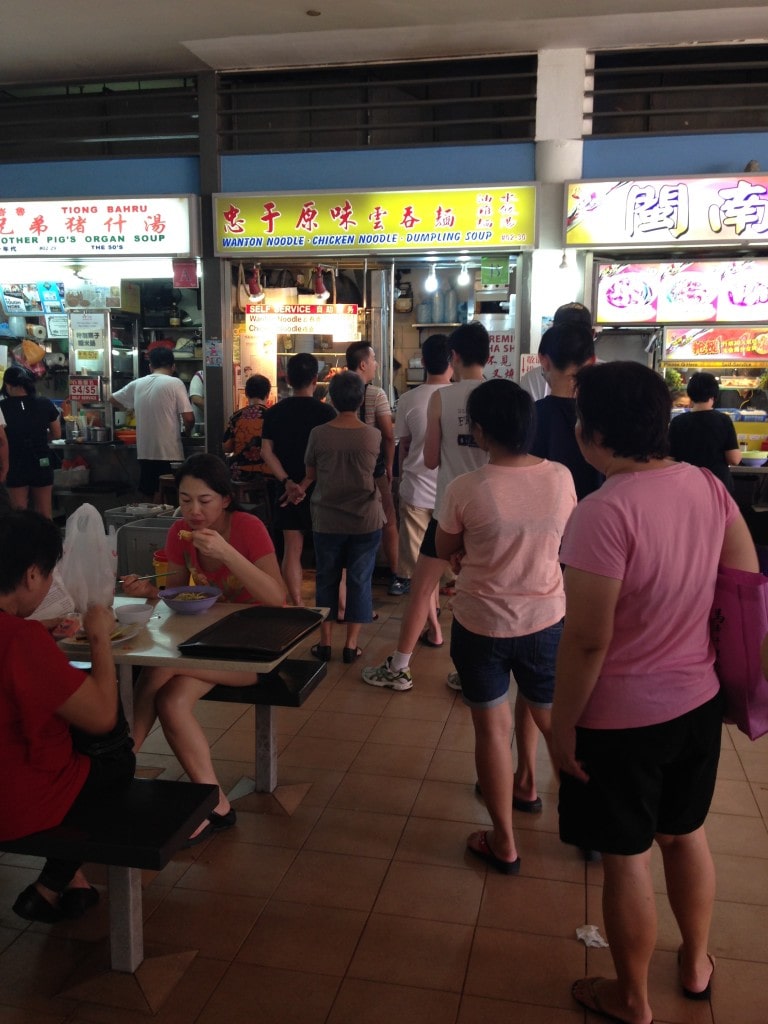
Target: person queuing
{"x":450,"y":448}
{"x":162,"y":405}
{"x":417,"y":483}
{"x":285,"y":433}
{"x":31,"y":422}
{"x":637,"y":714}
{"x":347,"y":514}
{"x":219,"y":546}
{"x":243,"y":433}
{"x":505,"y":520}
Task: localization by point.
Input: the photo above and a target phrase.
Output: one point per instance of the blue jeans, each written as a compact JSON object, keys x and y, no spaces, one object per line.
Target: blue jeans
{"x":484,"y":664}
{"x":355,"y":552}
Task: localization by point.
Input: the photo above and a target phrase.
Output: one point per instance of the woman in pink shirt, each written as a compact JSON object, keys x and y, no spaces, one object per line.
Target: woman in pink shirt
{"x":505,"y":521}
{"x":637,"y":713}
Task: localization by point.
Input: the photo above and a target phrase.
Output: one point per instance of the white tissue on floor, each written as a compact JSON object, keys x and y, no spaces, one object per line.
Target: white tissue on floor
{"x":590,"y":935}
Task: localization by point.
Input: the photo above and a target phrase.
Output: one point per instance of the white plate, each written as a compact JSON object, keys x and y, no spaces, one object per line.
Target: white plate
{"x":119,"y":636}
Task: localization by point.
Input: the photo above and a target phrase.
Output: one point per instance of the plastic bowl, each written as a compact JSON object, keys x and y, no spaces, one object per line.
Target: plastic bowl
{"x":134,"y":614}
{"x":753,"y":458}
{"x":173,"y":597}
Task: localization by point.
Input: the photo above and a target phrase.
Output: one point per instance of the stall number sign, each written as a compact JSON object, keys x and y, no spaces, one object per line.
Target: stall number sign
{"x":85,"y":389}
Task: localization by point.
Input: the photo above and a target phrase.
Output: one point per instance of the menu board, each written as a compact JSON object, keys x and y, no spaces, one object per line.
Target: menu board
{"x":709,"y":291}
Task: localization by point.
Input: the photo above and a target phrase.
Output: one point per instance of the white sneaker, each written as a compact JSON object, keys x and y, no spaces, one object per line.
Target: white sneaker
{"x":453,"y":681}
{"x":385,"y":675}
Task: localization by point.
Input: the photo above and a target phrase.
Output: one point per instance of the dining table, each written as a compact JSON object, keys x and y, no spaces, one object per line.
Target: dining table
{"x":156,"y":645}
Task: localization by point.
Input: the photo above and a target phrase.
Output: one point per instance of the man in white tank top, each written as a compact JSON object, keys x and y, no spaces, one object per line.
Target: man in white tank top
{"x":449,"y":448}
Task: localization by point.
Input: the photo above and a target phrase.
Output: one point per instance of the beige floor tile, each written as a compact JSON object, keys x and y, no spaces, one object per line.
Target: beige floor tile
{"x":363,"y":700}
{"x":430,"y":892}
{"x":370,"y":1002}
{"x":333,"y":880}
{"x":337,"y":725}
{"x":381,"y":793}
{"x":214,"y":923}
{"x":419,"y":707}
{"x":13,"y":1015}
{"x":452,"y":766}
{"x":442,"y":843}
{"x":739,"y":992}
{"x":288,"y":830}
{"x":755,"y":762}
{"x":734,"y":797}
{"x":287,"y":935}
{"x":360,"y":833}
{"x":742,"y":879}
{"x":315,"y":752}
{"x":730,"y":766}
{"x":450,"y":801}
{"x":323,"y":782}
{"x":406,"y":732}
{"x":731,"y":833}
{"x":238,"y":868}
{"x":35,"y":967}
{"x":216,"y":714}
{"x":235,"y":745}
{"x":407,"y":951}
{"x":524,"y":968}
{"x":535,"y":905}
{"x":477,"y":1010}
{"x":249,"y":993}
{"x":393,"y":759}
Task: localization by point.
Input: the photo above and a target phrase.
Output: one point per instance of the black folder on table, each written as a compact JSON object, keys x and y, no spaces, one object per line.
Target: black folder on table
{"x":252,"y":633}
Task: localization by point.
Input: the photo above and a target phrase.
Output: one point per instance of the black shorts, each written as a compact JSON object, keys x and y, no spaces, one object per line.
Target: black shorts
{"x":656,"y":778}
{"x":293,"y":517}
{"x":150,"y":471}
{"x":28,"y":472}
{"x":428,"y":541}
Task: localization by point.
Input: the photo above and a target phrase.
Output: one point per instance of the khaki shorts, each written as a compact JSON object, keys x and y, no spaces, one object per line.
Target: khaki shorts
{"x":413,"y":523}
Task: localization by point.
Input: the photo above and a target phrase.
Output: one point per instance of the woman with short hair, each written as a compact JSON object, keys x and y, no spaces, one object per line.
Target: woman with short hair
{"x":637,"y":713}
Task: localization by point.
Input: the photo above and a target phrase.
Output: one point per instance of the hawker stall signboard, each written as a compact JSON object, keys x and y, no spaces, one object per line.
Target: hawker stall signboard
{"x":653,"y":212}
{"x":721,"y":346}
{"x":333,"y":223}
{"x":705,"y":291}
{"x":141,"y":226}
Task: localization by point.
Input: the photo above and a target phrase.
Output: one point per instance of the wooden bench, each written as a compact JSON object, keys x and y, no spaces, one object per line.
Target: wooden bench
{"x":141,"y":826}
{"x":287,"y":686}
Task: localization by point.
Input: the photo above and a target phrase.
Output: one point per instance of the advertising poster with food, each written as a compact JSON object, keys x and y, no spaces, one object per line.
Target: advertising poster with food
{"x":707,"y":291}
{"x":717,"y":344}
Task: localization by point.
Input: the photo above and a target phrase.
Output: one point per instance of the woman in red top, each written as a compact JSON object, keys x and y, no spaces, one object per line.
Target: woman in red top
{"x":46,"y":707}
{"x":216,"y":544}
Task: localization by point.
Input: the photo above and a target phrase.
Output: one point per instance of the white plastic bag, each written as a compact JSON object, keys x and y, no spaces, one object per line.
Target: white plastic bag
{"x":89,"y":564}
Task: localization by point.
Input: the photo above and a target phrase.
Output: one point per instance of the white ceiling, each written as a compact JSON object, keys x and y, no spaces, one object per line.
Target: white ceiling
{"x":48,"y":41}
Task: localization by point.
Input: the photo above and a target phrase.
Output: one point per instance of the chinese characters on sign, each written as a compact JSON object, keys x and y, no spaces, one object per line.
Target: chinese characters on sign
{"x":88,"y":338}
{"x":723,"y":210}
{"x":503,"y":355}
{"x":440,"y":220}
{"x":105,"y":227}
{"x":734,"y":344}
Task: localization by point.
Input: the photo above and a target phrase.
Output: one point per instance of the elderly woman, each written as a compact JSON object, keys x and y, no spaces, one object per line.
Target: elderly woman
{"x":637,"y":712}
{"x":347,"y":514}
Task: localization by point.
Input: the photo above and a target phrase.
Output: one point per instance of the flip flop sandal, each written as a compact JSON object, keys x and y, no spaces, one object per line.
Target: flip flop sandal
{"x":596,"y":1006}
{"x":484,"y":852}
{"x":424,"y":639}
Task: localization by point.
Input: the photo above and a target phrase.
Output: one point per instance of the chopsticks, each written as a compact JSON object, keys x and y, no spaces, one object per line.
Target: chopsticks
{"x":152,"y":576}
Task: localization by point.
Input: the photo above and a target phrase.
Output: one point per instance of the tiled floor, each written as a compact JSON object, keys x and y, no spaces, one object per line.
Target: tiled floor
{"x":362,"y":907}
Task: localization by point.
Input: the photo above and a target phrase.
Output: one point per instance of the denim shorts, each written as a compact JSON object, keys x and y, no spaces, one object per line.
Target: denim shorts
{"x":355,"y":552}
{"x":484,"y":664}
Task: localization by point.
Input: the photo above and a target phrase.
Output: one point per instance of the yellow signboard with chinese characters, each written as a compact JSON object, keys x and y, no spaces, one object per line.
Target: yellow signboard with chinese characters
{"x":726,"y":210}
{"x":314,"y":225}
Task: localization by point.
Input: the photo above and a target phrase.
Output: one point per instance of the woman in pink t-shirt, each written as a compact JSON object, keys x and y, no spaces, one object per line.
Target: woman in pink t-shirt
{"x":505,"y":521}
{"x":232,"y":550}
{"x":637,"y":713}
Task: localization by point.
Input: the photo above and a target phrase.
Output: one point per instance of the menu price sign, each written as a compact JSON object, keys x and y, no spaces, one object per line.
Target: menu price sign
{"x":340,"y":321}
{"x":85,"y":389}
{"x":88,"y":334}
